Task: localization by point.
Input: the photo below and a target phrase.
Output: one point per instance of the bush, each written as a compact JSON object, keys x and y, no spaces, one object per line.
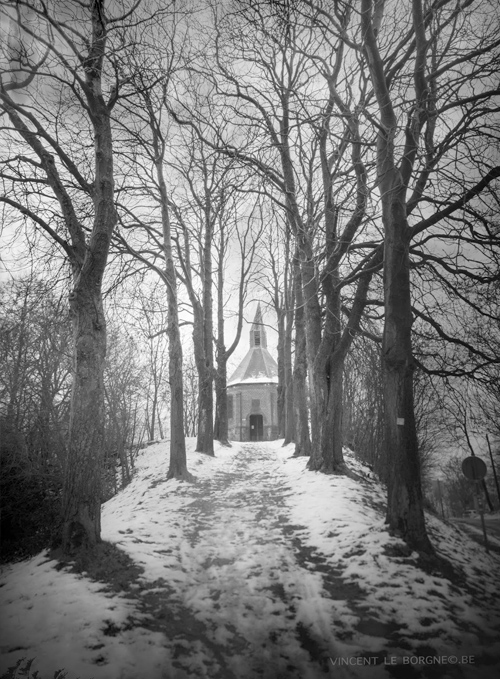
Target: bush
{"x":30,"y":501}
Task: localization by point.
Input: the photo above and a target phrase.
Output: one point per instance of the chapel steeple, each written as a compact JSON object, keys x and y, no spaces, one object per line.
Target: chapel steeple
{"x":252,"y":390}
{"x":258,"y":366}
{"x":258,"y":336}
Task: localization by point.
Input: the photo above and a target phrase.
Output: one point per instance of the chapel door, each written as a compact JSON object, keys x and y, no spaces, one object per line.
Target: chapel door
{"x":256,"y":428}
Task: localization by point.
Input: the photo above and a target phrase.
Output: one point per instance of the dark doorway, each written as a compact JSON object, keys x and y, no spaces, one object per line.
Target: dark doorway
{"x":256,"y":428}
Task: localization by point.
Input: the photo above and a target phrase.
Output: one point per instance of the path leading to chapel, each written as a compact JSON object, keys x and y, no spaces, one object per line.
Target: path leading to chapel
{"x":217,"y":579}
{"x":253,"y":601}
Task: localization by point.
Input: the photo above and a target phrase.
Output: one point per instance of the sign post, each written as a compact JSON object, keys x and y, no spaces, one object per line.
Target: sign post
{"x":475,"y":469}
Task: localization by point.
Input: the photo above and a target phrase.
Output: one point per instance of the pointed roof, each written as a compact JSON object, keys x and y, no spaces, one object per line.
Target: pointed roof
{"x":258,"y":332}
{"x":258,"y":366}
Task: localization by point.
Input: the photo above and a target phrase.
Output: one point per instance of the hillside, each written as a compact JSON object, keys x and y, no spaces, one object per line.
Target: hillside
{"x":259,"y":569}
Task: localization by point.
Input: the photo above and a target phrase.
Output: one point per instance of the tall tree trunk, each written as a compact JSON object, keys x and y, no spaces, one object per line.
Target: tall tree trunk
{"x":223,"y":354}
{"x":205,"y":438}
{"x":312,"y":318}
{"x":221,"y":427}
{"x":312,"y":309}
{"x":81,"y":501}
{"x":302,"y":439}
{"x":178,"y":461}
{"x":281,"y":397}
{"x":81,"y":496}
{"x":328,"y":369}
{"x":205,"y":442}
{"x":331,"y":435}
{"x":405,"y":514}
{"x":83,"y":75}
{"x":202,"y":341}
{"x":204,"y":366}
{"x":158,"y":419}
{"x":288,"y":372}
{"x":153,"y":412}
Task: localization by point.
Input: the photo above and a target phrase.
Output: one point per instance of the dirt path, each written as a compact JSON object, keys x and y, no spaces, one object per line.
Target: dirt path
{"x":253,"y":601}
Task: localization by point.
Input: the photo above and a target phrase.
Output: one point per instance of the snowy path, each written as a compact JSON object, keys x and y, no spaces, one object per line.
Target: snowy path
{"x":238,"y":572}
{"x":259,"y":570}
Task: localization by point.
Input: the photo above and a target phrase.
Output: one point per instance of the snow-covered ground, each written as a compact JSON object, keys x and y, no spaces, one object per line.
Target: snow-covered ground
{"x":259,"y":569}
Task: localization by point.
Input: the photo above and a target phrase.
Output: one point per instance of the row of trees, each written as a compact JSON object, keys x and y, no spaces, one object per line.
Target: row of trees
{"x":35,"y":400}
{"x":207,"y":144}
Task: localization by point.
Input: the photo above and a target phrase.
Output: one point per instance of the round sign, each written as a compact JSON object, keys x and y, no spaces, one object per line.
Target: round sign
{"x":474,"y":468}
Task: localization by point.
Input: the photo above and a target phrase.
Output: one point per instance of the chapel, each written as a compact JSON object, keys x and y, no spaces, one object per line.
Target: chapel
{"x":252,"y":391}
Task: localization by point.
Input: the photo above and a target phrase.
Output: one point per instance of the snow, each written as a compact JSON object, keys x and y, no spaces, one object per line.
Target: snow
{"x":254,"y":379}
{"x":58,"y":618}
{"x":259,"y":569}
{"x":478,"y":531}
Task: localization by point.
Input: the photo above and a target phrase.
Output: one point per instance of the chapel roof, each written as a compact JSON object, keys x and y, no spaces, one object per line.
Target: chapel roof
{"x":258,"y":366}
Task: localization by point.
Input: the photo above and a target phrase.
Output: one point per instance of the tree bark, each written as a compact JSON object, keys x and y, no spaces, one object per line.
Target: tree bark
{"x":328,"y":369}
{"x":288,"y":370}
{"x":81,"y":496}
{"x":301,"y":410}
{"x":81,"y":500}
{"x":202,"y":332}
{"x":221,"y":427}
{"x":82,"y":479}
{"x":205,"y":442}
{"x":203,"y":353}
{"x":281,"y":388}
{"x":178,"y":460}
{"x":328,"y":366}
{"x":405,"y":514}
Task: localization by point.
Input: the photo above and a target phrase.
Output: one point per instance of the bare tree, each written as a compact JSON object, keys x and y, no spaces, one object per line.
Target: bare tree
{"x":178,"y":461}
{"x":363,"y":404}
{"x":190,"y":396}
{"x":408,"y":154}
{"x":124,"y":397}
{"x":64,"y":72}
{"x":277,"y":279}
{"x":151,"y":321}
{"x":297,"y":141}
{"x":35,"y":352}
{"x":302,"y":436}
{"x":238,"y":238}
{"x":208,"y":183}
{"x":146,"y":207}
{"x":35,"y":387}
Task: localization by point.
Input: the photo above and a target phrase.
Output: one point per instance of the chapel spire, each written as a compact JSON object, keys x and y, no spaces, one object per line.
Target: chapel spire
{"x":258,"y":336}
